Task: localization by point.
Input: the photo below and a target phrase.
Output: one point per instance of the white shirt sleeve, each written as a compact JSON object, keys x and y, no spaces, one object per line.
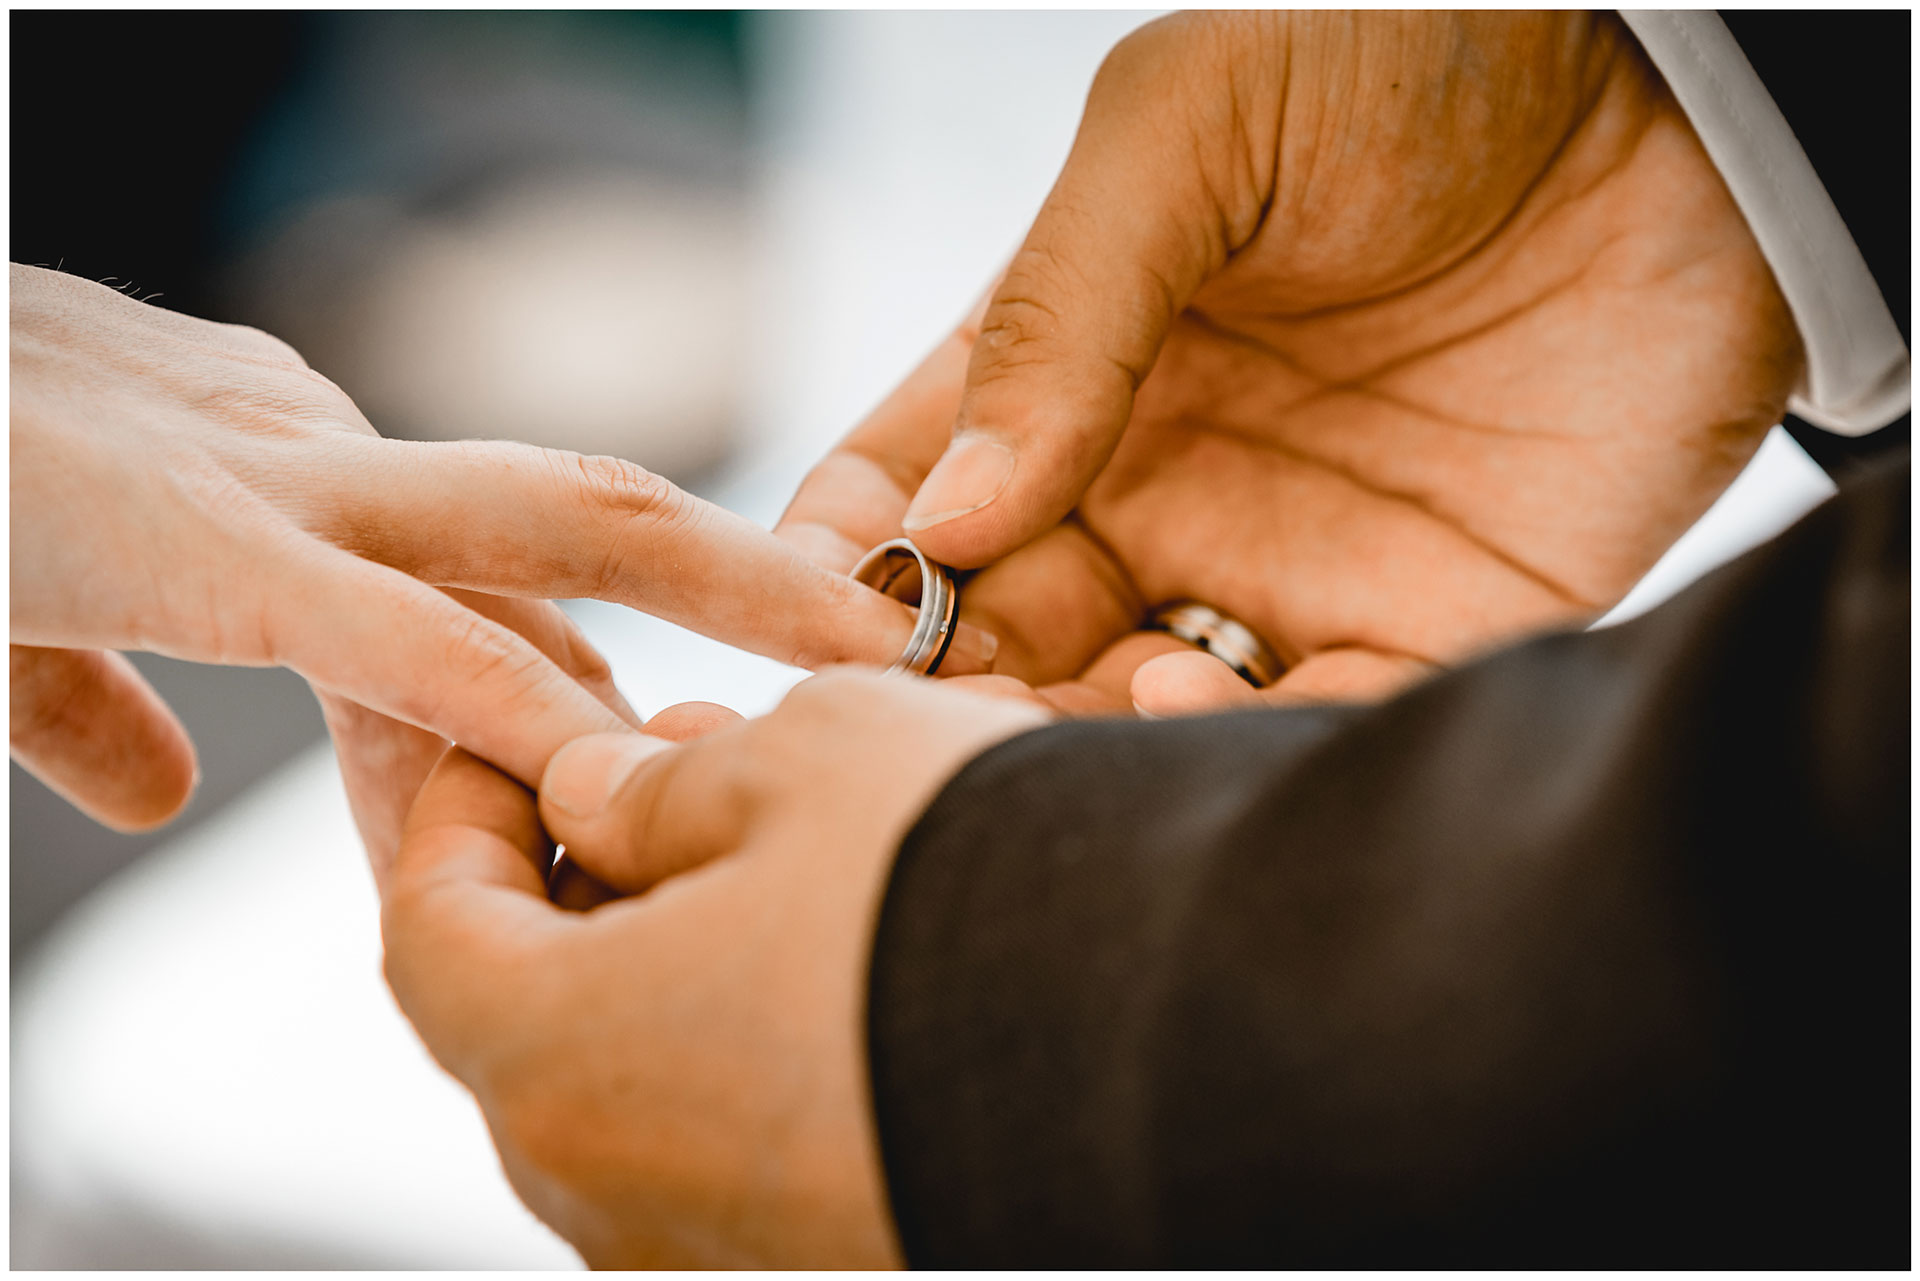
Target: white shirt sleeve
{"x":1858,"y":370}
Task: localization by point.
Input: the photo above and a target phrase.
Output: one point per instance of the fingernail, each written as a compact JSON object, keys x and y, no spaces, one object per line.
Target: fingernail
{"x":972,"y":651}
{"x":968,"y":476}
{"x":588,"y":773}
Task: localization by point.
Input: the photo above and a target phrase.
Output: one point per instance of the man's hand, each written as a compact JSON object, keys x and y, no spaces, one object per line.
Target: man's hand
{"x":1392,"y":334}
{"x":679,"y":1078}
{"x":195,"y":490}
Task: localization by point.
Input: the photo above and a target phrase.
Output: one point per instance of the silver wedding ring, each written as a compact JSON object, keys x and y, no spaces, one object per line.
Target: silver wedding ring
{"x":902,"y":571}
{"x":1225,"y":637}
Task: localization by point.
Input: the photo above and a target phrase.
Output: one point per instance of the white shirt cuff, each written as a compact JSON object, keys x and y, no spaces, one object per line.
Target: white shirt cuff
{"x":1858,"y":370}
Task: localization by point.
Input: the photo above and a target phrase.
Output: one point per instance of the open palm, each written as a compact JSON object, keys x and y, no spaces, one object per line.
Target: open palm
{"x":1393,"y":335}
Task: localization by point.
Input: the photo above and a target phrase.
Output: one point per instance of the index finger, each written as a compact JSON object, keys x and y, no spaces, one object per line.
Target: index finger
{"x":383,"y":761}
{"x":399,"y":647}
{"x":516,"y":520}
{"x":466,"y":918}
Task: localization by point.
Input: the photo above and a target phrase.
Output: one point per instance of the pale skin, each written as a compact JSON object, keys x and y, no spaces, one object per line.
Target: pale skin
{"x":195,"y":490}
{"x":1393,"y":334}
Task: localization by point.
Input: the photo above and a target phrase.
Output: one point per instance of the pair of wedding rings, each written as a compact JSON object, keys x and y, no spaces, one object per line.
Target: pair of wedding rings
{"x":899,"y":569}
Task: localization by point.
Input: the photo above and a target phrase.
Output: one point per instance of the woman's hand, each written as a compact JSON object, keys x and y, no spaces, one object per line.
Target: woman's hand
{"x":195,"y":490}
{"x":679,"y":1079}
{"x":1392,"y":334}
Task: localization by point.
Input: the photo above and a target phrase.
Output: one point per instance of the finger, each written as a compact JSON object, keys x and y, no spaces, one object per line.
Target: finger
{"x":1192,"y":682}
{"x":1130,"y":231}
{"x":396,"y":646}
{"x":572,"y":887}
{"x":1187,"y":682}
{"x":383,"y":761}
{"x":633,"y":811}
{"x":547,"y":626}
{"x":1104,"y":688}
{"x":563,"y":525}
{"x":855,"y":497}
{"x":684,"y":722}
{"x":466,"y":915}
{"x":87,"y":724}
{"x":1054,"y":604}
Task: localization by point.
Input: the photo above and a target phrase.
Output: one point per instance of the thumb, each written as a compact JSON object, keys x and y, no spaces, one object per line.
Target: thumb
{"x":1130,"y":231}
{"x":88,"y":725}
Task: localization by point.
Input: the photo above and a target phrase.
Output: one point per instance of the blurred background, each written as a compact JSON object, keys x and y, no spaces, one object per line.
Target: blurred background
{"x":708,"y":242}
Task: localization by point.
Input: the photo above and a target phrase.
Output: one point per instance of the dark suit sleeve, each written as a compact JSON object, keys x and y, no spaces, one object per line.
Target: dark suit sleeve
{"x":1593,"y":953}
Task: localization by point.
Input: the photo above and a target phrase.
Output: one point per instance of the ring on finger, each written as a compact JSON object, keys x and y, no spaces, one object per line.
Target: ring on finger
{"x":1222,"y":635}
{"x":899,"y":569}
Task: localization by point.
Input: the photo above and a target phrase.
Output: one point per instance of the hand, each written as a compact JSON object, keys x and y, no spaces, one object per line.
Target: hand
{"x":679,"y":1079}
{"x":1393,"y":334}
{"x":195,"y":490}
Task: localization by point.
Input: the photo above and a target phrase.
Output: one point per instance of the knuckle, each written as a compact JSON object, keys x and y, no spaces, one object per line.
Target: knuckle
{"x":476,"y":651}
{"x":625,"y":487}
{"x":265,"y":346}
{"x":640,"y":513}
{"x":1140,"y":69}
{"x":1021,"y":315}
{"x":1027,"y":326}
{"x":255,"y":404}
{"x":334,"y":402}
{"x":477,"y":645}
{"x":1148,"y":62}
{"x":1029,"y":321}
{"x":288,"y":402}
{"x":1121,"y":69}
{"x":585,"y":662}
